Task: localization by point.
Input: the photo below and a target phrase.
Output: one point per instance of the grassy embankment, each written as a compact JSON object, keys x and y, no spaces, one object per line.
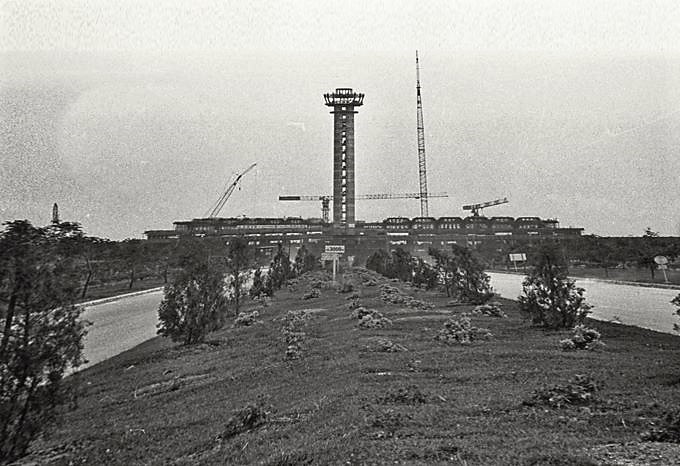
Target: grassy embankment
{"x":343,"y":402}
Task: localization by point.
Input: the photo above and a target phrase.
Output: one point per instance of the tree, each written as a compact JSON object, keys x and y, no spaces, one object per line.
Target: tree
{"x":462,"y":274}
{"x":42,"y":334}
{"x":194,"y":304}
{"x":304,"y":261}
{"x":261,"y":286}
{"x":280,"y":269}
{"x":549,"y":298}
{"x":424,"y":274}
{"x":239,"y":262}
{"x":676,"y":303}
{"x":401,"y":265}
{"x":379,"y":262}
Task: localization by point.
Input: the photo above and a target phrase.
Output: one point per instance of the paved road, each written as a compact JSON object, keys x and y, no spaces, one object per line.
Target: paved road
{"x":644,"y":307}
{"x":120,"y":325}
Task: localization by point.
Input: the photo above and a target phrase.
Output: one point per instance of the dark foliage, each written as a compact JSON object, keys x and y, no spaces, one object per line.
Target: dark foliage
{"x":549,"y":298}
{"x":195,"y":303}
{"x":41,"y":331}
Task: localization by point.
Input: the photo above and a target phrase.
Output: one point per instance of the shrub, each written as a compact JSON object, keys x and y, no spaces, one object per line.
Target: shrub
{"x":583,"y":338}
{"x":312,"y":294}
{"x":579,"y":390}
{"x":462,"y":332}
{"x":549,"y":298}
{"x":246,"y":319}
{"x":388,"y":346}
{"x":193,"y":305}
{"x":493,"y":309}
{"x":245,"y":419}
{"x":294,"y":321}
{"x":393,"y":295}
{"x":346,"y":287}
{"x":370,"y":318}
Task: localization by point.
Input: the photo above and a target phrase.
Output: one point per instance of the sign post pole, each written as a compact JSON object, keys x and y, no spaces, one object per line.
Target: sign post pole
{"x":662,"y":262}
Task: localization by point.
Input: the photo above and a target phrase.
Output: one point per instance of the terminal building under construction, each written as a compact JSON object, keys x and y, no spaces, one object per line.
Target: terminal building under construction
{"x":360,"y":238}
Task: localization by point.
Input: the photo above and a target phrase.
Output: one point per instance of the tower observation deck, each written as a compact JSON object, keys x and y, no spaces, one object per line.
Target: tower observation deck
{"x":343,"y":101}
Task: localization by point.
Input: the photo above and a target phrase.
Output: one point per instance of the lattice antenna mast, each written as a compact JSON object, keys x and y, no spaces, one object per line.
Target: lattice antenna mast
{"x":422,"y":168}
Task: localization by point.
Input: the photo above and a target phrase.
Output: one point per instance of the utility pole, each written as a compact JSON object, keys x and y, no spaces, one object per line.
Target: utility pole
{"x":422,"y":169}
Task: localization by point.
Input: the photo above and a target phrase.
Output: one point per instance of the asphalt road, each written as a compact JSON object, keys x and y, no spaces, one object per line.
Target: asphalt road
{"x":645,"y":307}
{"x":120,"y":325}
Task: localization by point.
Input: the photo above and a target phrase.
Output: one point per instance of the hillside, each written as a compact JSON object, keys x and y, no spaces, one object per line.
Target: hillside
{"x":346,"y":399}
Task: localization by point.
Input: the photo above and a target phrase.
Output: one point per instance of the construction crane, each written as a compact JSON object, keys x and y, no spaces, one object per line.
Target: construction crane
{"x":475,"y":208}
{"x":422,"y":169}
{"x":325,"y":200}
{"x":227,"y":193}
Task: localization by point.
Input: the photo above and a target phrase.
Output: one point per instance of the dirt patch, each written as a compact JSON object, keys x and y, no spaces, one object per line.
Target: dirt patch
{"x":172,"y":385}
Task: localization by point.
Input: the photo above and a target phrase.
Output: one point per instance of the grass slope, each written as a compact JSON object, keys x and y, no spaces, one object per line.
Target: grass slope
{"x":343,"y":402}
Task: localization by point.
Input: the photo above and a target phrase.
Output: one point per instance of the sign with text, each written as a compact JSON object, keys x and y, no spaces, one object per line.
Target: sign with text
{"x":336,"y":248}
{"x":330,"y":256}
{"x":518,"y":257}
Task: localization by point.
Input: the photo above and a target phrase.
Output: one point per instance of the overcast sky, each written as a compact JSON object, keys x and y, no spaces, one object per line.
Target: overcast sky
{"x":132,"y":115}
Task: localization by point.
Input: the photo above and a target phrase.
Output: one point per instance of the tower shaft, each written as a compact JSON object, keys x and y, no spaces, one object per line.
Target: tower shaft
{"x":343,"y":101}
{"x":422,"y":166}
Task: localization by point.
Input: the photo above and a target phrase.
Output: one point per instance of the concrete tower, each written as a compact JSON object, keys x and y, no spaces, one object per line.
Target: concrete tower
{"x":343,"y":101}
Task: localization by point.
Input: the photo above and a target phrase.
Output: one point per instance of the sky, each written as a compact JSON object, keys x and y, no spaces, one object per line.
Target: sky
{"x":131,"y":115}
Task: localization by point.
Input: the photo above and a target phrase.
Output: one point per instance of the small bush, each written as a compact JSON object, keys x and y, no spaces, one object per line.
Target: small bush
{"x":346,"y":287}
{"x":388,"y":346}
{"x":311,"y":294}
{"x":294,"y":337}
{"x":584,"y":338}
{"x":246,"y":319}
{"x":462,"y":332}
{"x":244,"y":420}
{"x":492,"y":309}
{"x":370,"y":318}
{"x":393,"y":295}
{"x":579,"y":390}
{"x":668,"y":429}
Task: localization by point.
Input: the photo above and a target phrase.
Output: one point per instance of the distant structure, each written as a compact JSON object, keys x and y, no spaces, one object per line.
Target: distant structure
{"x":55,"y":213}
{"x":422,"y":168}
{"x":343,"y":101}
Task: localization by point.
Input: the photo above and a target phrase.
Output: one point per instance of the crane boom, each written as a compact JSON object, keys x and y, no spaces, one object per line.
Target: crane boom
{"x":422,"y":169}
{"x":325,"y":200}
{"x":475,"y":208}
{"x":227,"y":194}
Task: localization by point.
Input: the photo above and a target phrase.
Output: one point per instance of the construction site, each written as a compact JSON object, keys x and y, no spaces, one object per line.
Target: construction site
{"x":337,"y":228}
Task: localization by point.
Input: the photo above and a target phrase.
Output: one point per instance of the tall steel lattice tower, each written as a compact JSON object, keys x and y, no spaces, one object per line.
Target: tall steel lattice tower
{"x":422,"y":167}
{"x":343,"y":101}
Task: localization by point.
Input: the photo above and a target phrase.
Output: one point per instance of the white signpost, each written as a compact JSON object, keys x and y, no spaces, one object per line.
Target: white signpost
{"x":517,"y":257}
{"x":333,"y":253}
{"x":662,"y":262}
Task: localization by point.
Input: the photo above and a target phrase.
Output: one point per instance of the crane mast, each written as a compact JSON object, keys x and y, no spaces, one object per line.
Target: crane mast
{"x":422,"y":169}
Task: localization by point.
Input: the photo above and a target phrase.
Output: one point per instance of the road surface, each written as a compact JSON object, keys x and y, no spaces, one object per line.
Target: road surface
{"x":645,"y":307}
{"x":120,"y":325}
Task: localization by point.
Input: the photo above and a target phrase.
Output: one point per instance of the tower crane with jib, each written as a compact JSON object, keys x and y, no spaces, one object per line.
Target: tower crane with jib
{"x":325,"y":200}
{"x":227,"y":193}
{"x":475,"y":208}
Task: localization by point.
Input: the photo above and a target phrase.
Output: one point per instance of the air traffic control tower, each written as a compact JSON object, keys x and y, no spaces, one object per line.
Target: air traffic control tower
{"x":343,"y":101}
